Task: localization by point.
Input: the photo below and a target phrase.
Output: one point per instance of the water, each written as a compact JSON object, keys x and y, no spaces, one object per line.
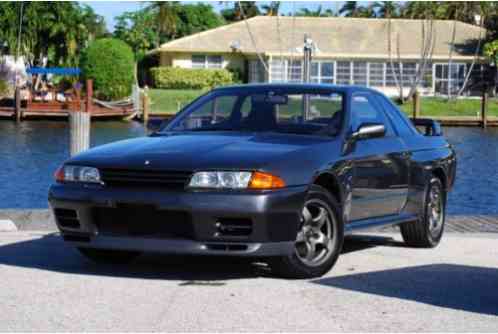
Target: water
{"x":32,"y":150}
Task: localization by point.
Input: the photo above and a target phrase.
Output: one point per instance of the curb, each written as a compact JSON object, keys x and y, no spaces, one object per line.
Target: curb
{"x":26,"y":219}
{"x":43,"y":220}
{"x":7,"y":226}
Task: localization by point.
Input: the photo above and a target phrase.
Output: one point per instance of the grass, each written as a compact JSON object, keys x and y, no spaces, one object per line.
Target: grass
{"x":168,"y":101}
{"x":441,"y":107}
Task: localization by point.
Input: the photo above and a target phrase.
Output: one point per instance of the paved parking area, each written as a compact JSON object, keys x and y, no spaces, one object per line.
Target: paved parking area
{"x":377,"y":285}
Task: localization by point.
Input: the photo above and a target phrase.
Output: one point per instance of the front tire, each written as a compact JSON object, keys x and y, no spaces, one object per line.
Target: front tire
{"x":319,"y":239}
{"x":428,"y":230}
{"x":108,"y":256}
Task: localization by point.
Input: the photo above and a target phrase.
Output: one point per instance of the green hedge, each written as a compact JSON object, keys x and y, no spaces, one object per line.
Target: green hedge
{"x":4,"y":88}
{"x":188,"y":78}
{"x":111,"y":64}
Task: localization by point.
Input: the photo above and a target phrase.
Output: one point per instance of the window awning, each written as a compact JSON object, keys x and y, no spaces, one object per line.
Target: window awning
{"x":54,"y":70}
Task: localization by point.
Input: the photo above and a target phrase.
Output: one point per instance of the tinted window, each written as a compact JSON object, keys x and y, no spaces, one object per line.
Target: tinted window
{"x":397,"y":118}
{"x":294,"y":112}
{"x":364,"y":110}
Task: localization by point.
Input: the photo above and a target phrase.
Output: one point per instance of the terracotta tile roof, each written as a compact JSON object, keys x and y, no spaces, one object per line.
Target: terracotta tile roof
{"x":334,"y":36}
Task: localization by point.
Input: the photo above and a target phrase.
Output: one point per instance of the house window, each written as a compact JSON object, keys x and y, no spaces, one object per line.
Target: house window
{"x":322,"y":72}
{"x":360,"y":73}
{"x":376,"y":74}
{"x":409,"y":72}
{"x":256,"y":71}
{"x":295,"y":71}
{"x":278,"y":70}
{"x":203,"y":61}
{"x":343,"y":72}
{"x":286,"y":70}
{"x":393,"y":77}
{"x":449,"y":79}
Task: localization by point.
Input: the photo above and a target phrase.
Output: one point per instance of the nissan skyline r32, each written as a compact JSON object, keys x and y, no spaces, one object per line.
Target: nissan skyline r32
{"x":280,"y":172}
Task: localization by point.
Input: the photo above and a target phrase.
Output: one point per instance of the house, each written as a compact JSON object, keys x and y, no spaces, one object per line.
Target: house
{"x":378,"y":53}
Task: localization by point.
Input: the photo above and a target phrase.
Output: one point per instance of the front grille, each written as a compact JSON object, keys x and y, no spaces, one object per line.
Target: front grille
{"x":67,"y":218}
{"x":145,"y":178}
{"x":143,"y":221}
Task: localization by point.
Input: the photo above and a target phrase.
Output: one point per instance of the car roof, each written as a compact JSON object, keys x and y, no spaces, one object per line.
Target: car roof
{"x":296,"y":86}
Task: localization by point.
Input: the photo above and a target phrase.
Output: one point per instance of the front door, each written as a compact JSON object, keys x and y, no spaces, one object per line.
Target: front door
{"x":380,"y":165}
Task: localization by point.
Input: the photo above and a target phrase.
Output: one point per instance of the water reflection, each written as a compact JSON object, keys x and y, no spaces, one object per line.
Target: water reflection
{"x":32,"y":150}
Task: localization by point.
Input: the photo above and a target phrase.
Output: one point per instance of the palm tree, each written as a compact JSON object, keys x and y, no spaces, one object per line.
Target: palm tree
{"x":240,"y":10}
{"x":386,"y":9}
{"x":350,"y":9}
{"x":271,"y":9}
{"x":165,"y":17}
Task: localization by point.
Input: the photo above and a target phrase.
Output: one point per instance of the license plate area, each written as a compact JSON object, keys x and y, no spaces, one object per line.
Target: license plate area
{"x":143,"y":221}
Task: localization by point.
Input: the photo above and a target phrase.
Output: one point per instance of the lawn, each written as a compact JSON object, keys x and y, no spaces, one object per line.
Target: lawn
{"x":440,"y":107}
{"x":169,"y":101}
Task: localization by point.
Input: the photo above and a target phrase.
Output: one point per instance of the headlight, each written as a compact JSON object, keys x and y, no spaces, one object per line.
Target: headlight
{"x":78,"y":174}
{"x":235,"y":180}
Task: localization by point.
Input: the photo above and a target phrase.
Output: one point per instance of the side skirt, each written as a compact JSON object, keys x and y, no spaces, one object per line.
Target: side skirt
{"x":377,"y":222}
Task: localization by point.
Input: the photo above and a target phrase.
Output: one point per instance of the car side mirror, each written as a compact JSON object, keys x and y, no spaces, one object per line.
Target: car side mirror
{"x":369,"y":130}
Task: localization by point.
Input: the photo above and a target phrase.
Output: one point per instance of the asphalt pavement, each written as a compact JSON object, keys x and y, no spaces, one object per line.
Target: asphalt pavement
{"x":377,"y":285}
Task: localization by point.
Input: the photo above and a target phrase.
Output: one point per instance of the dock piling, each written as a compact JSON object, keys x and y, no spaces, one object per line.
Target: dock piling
{"x":416,"y":105}
{"x":79,"y":123}
{"x":18,"y":104}
{"x":146,"y":107}
{"x":484,"y":108}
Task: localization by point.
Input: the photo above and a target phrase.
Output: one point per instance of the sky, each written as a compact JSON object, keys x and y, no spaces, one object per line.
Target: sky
{"x":110,"y":9}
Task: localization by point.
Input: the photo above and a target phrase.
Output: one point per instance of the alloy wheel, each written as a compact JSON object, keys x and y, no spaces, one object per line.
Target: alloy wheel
{"x":315,"y":240}
{"x":435,"y":210}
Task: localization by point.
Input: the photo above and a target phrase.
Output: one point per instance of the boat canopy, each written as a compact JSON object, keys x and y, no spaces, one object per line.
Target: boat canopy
{"x":54,"y":70}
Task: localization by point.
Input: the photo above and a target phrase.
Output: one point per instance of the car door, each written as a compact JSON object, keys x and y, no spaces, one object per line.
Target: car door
{"x":380,"y":165}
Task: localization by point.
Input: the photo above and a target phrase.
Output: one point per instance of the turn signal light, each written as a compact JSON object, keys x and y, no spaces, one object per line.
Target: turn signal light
{"x":59,"y":174}
{"x":260,"y":180}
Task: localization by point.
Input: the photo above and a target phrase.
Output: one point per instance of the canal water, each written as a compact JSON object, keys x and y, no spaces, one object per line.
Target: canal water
{"x":32,"y":150}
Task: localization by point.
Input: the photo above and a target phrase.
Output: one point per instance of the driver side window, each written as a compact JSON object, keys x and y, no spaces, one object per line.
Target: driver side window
{"x":364,"y":110}
{"x":216,"y":111}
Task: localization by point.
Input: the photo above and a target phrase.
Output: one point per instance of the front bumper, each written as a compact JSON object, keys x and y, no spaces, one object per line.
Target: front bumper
{"x":273,"y":217}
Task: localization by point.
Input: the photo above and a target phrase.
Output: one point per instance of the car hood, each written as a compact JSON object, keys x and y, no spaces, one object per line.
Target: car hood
{"x":198,"y":151}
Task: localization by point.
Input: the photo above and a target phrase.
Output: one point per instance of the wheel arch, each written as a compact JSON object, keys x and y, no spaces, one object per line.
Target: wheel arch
{"x":330,"y":182}
{"x":440,"y":173}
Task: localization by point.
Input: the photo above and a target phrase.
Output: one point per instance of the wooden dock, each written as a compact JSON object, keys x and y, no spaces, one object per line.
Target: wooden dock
{"x":63,"y":111}
{"x":464,"y":120}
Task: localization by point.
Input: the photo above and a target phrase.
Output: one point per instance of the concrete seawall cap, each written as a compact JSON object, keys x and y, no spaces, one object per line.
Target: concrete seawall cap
{"x":7,"y":226}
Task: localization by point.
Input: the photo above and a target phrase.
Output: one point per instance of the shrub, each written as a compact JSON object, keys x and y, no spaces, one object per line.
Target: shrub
{"x":110,"y":63}
{"x":187,"y":78}
{"x":4,"y":88}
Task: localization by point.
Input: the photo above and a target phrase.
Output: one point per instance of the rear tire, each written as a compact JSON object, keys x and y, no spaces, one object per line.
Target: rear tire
{"x":108,"y":256}
{"x":319,"y":239}
{"x":428,"y":230}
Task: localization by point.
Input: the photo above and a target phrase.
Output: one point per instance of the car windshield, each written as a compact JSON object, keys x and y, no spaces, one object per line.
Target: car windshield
{"x":293,"y":111}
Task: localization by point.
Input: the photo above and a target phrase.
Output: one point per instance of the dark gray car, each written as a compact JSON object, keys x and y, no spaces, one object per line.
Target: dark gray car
{"x":281,"y":172}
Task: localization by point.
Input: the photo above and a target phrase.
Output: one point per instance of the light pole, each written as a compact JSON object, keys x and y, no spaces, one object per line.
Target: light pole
{"x":307,"y":51}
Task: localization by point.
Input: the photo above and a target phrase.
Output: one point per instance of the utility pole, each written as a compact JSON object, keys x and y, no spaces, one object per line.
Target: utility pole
{"x":307,"y":51}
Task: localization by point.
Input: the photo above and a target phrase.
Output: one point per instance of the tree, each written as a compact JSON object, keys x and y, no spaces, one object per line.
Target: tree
{"x":386,"y":9}
{"x":272,"y":8}
{"x":240,"y":10}
{"x":194,"y":18}
{"x":165,"y":17}
{"x":55,"y":31}
{"x":137,"y":29}
{"x":350,"y":9}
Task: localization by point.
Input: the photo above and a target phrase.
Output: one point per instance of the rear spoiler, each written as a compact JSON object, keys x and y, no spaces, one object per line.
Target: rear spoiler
{"x":431,"y":127}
